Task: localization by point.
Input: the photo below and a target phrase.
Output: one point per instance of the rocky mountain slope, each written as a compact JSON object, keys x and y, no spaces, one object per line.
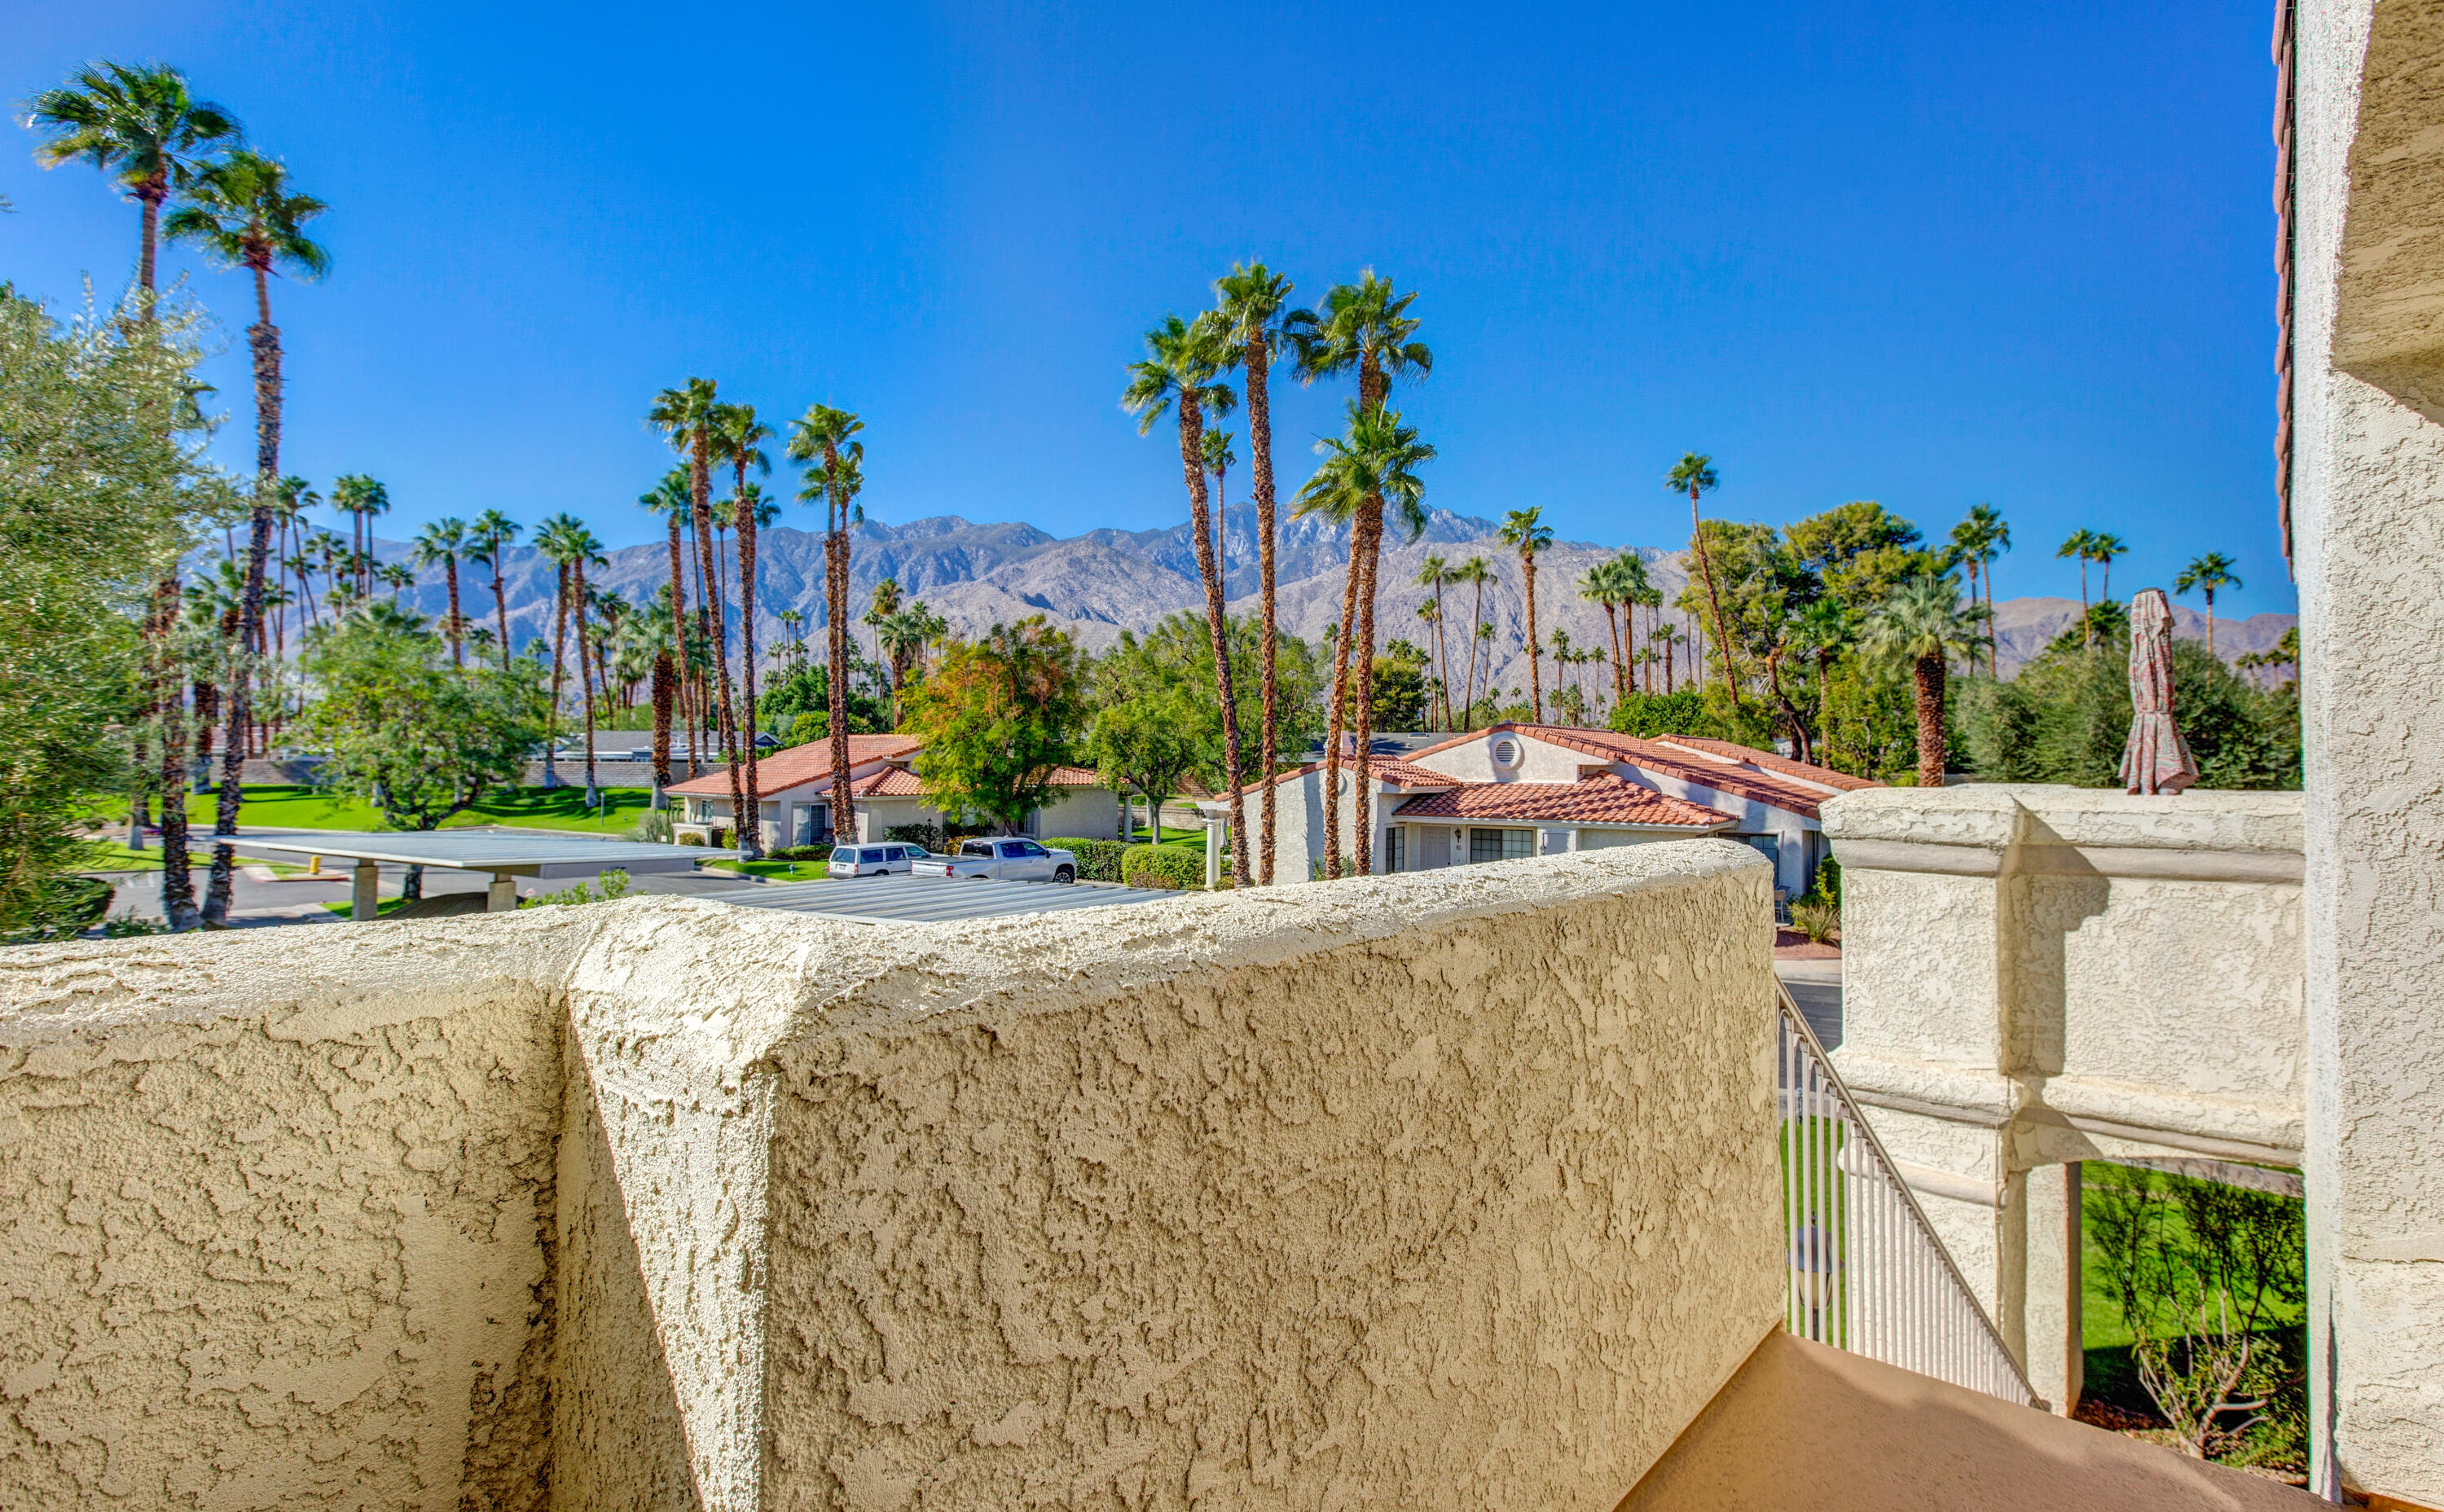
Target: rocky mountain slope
{"x":1096,"y":584}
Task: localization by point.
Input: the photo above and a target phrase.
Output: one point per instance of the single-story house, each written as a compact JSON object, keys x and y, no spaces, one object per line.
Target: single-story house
{"x":1516,"y":789}
{"x":794,"y":787}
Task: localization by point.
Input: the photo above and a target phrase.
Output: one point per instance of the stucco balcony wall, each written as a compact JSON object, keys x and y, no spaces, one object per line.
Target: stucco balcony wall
{"x":1443,"y":1191}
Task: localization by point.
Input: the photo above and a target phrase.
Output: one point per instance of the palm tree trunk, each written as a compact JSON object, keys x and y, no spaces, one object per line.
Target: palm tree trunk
{"x":586,"y":650}
{"x":501,"y":602}
{"x":2210,"y":622}
{"x":558,"y":665}
{"x":458,"y":645}
{"x":1535,"y":652}
{"x":1200,"y":519}
{"x":1803,"y":748}
{"x":265,"y":339}
{"x":178,"y":881}
{"x":1928,"y":676}
{"x":664,"y":675}
{"x":149,"y":196}
{"x":1993,"y":654}
{"x":679,"y":659}
{"x":1336,"y":720}
{"x":836,"y":600}
{"x":701,"y":484}
{"x":1713,"y":597}
{"x":752,"y":833}
{"x":1619,"y":674}
{"x":1476,"y":618}
{"x":1371,"y":525}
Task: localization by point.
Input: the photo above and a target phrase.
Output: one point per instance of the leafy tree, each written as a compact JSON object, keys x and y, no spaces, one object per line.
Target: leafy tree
{"x":803,"y":692}
{"x":1158,"y":708}
{"x":1399,"y":689}
{"x":996,"y":717}
{"x":103,"y":489}
{"x":2066,"y":717}
{"x":408,"y":732}
{"x":1861,"y":551}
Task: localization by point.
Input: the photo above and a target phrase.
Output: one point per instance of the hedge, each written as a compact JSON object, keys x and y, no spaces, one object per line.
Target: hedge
{"x":1169,"y":867}
{"x":1098,"y":860}
{"x":799,"y":853}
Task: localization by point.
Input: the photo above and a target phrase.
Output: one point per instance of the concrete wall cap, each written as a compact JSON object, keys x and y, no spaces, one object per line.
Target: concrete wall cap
{"x":1997,"y":816}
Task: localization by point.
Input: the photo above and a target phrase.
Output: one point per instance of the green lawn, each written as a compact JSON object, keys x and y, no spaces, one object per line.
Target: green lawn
{"x":118,"y":858}
{"x":556,"y":808}
{"x":1188,"y":840}
{"x":782,"y":871}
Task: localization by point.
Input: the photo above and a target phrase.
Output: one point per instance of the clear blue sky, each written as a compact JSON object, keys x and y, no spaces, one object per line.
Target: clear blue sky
{"x":1925,"y":254}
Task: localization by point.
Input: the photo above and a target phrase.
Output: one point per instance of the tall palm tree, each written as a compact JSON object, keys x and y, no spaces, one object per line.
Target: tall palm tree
{"x":689,"y":415}
{"x":1525,"y":531}
{"x":241,"y":211}
{"x":668,"y":499}
{"x":1473,"y":573}
{"x":1918,"y":626}
{"x":1363,"y":327}
{"x":1639,"y":592}
{"x":556,"y":539}
{"x":2208,"y":574}
{"x":395,"y":576}
{"x":1432,"y":574}
{"x":1372,"y":467}
{"x":1823,"y":631}
{"x":140,"y":124}
{"x":1219,"y":459}
{"x":289,"y":503}
{"x":1976,"y":541}
{"x":880,"y":612}
{"x":2103,"y":548}
{"x":1604,"y":585}
{"x":361,"y":498}
{"x":1694,"y":475}
{"x":487,"y":545}
{"x":738,"y":439}
{"x":2082,"y":544}
{"x":824,"y":436}
{"x":1254,"y":301}
{"x":440,"y":544}
{"x":583,"y":550}
{"x":1177,"y":376}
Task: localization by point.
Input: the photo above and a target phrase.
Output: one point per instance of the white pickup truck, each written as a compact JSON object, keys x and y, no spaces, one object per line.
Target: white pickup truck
{"x":1013,"y":860}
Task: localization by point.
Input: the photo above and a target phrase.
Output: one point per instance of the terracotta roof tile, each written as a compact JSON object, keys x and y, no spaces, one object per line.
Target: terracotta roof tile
{"x":1772,"y":761}
{"x":1772,"y":788}
{"x":1600,"y":799}
{"x":798,"y":764}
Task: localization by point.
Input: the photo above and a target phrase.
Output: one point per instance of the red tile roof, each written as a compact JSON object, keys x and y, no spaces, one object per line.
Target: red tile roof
{"x":887,"y":781}
{"x":1382,"y":768}
{"x":1603,"y":798}
{"x":1689,"y":764}
{"x":798,"y":764}
{"x":1771,"y":761}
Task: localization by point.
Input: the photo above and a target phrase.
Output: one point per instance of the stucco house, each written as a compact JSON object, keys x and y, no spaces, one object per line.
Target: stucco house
{"x":794,"y":789}
{"x":1517,"y":789}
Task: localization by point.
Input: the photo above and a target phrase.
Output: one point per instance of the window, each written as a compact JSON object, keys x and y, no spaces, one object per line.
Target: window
{"x":983,"y":848}
{"x":1500,"y":844}
{"x":1394,"y":847}
{"x":1031,"y":848}
{"x":1013,"y":847}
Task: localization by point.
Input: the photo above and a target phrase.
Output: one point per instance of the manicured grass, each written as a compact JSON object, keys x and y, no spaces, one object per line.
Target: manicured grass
{"x":557,"y":808}
{"x":783,"y":870}
{"x":118,"y":858}
{"x":1190,"y":840}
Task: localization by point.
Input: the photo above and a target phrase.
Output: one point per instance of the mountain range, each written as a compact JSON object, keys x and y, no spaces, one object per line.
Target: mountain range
{"x":1096,"y":584}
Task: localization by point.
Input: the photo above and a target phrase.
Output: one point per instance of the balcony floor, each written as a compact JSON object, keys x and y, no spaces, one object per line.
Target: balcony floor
{"x":1801,"y":1425}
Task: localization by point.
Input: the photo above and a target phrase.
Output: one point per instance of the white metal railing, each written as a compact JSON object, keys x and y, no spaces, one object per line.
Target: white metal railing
{"x":1867,"y":1272}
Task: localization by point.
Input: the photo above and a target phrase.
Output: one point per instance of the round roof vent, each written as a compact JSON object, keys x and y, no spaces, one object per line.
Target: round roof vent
{"x":1506,"y":753}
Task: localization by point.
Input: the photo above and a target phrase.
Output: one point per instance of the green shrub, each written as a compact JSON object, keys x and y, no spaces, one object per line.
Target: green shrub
{"x":1163,"y":866}
{"x":929,"y":836}
{"x":614,"y":886}
{"x":800,"y":853}
{"x":1098,"y":860}
{"x":1818,"y":921}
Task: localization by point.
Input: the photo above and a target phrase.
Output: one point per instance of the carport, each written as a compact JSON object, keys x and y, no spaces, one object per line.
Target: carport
{"x":931,"y":899}
{"x":506,"y":857}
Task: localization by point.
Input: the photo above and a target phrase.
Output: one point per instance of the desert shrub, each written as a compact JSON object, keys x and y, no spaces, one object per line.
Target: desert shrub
{"x":1819,"y":920}
{"x":929,"y":836}
{"x":1163,"y":866}
{"x":614,"y":886}
{"x":1100,"y":861}
{"x":652,"y":827}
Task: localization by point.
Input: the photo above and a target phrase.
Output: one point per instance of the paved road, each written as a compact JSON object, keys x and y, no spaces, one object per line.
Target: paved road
{"x":1816,"y":987}
{"x":257,"y":899}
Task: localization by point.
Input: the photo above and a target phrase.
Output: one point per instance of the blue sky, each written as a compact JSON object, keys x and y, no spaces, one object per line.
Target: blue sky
{"x":1929,"y":255}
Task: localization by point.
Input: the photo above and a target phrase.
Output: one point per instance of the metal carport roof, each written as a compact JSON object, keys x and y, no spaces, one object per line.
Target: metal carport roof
{"x":929,"y":899}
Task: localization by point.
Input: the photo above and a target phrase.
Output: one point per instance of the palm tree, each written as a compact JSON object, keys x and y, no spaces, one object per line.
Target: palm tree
{"x":240,"y":211}
{"x":1976,"y":541}
{"x":668,"y":499}
{"x":440,"y":544}
{"x":1473,"y":573}
{"x":884,"y":603}
{"x":1919,"y":625}
{"x":395,"y":576}
{"x":1524,"y":532}
{"x":1371,"y":467}
{"x":689,"y":415}
{"x":1605,"y":584}
{"x":2208,"y":574}
{"x":738,"y":439}
{"x":1693,"y":474}
{"x":1823,"y":630}
{"x":579,"y":551}
{"x":1431,"y":576}
{"x":1363,"y":327}
{"x":361,"y":498}
{"x":139,"y":124}
{"x":1253,"y":302}
{"x":487,"y":545}
{"x":1219,"y":460}
{"x":1178,"y":374}
{"x":2082,"y":544}
{"x":825,"y":437}
{"x":2103,"y":548}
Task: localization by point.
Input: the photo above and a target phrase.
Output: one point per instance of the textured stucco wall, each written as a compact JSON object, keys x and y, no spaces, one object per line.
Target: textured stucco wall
{"x":2368,"y":483}
{"x":1453,"y":1189}
{"x":1440,"y":1191}
{"x":276,"y":1225}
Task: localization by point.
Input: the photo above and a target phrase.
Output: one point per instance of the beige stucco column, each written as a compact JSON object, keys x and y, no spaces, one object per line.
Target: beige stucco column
{"x":365,"y":898}
{"x":2368,"y":502}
